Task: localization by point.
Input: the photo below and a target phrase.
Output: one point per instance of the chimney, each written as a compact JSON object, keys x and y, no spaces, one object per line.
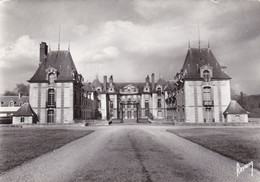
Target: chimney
{"x":20,"y":95}
{"x":111,"y":80}
{"x":153,"y":81}
{"x":147,"y":80}
{"x":105,"y":82}
{"x":43,"y":51}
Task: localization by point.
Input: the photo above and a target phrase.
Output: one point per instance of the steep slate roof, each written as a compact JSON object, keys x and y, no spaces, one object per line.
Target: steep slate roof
{"x":17,"y":101}
{"x":197,"y":57}
{"x":161,"y":82}
{"x":87,"y":86}
{"x":96,"y":83}
{"x":61,"y":61}
{"x":25,"y":110}
{"x":234,"y":108}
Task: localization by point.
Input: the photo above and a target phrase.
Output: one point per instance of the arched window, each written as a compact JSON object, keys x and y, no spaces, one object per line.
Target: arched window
{"x":111,"y":105}
{"x":206,"y":76}
{"x":11,"y":104}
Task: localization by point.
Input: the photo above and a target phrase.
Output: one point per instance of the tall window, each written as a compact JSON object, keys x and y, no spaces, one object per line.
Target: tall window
{"x":146,"y":105}
{"x":207,"y":96}
{"x":159,"y":103}
{"x":111,"y":105}
{"x":159,"y":91}
{"x":99,"y":104}
{"x":50,"y":116}
{"x":206,"y":76}
{"x":51,"y":97}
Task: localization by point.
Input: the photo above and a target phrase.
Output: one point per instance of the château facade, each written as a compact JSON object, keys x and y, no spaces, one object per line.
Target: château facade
{"x":133,"y":100}
{"x":199,"y":93}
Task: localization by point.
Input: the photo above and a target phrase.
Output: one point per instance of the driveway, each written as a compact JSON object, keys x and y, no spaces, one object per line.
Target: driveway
{"x":130,"y":153}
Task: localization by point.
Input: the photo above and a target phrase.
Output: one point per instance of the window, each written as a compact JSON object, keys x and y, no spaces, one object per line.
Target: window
{"x":159,"y":91}
{"x":11,"y":104}
{"x":51,"y":78}
{"x":22,"y":119}
{"x":159,"y":103}
{"x":51,"y":97}
{"x":50,"y":116}
{"x":146,"y":105}
{"x":207,"y":96}
{"x":111,"y":105}
{"x":99,"y":104}
{"x":206,"y":76}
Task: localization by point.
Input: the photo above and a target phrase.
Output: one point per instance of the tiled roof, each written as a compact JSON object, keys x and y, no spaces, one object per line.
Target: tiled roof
{"x":61,"y":61}
{"x":234,"y":108}
{"x":5,"y":100}
{"x":197,"y":57}
{"x":25,"y":110}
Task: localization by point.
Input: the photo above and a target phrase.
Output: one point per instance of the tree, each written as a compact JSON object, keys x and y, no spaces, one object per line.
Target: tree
{"x":20,"y":88}
{"x":9,"y":93}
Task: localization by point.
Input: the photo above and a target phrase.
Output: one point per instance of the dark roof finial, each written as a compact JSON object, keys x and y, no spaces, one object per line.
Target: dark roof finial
{"x":69,"y":46}
{"x":208,"y":44}
{"x":199,"y":33}
{"x":59,"y":39}
{"x":189,"y":43}
{"x":49,"y":47}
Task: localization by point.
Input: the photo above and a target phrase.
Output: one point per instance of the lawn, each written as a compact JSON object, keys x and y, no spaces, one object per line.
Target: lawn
{"x":18,"y":145}
{"x":241,"y":144}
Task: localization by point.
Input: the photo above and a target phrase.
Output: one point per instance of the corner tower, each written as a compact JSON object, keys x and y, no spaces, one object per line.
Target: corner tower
{"x":55,"y":87}
{"x":202,"y":88}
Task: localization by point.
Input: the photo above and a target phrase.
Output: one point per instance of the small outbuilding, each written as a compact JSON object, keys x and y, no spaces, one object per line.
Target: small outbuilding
{"x":235,"y":113}
{"x":25,"y":115}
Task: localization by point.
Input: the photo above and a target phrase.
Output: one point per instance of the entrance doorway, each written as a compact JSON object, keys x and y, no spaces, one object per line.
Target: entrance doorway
{"x":129,"y":112}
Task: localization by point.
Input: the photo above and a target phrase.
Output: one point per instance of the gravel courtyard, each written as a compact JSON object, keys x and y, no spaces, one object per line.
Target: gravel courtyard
{"x":130,"y":153}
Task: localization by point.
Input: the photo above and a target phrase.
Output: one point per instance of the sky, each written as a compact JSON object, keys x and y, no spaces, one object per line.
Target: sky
{"x":130,"y":39}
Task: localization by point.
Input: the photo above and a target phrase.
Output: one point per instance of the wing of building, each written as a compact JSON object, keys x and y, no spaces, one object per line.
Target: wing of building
{"x":202,"y":88}
{"x":56,"y":89}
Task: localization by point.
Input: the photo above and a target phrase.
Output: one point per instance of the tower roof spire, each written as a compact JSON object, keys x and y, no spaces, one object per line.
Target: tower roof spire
{"x":59,"y":39}
{"x":199,"y":33}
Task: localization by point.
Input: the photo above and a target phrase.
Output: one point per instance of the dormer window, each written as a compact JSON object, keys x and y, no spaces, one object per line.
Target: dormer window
{"x":206,"y":76}
{"x":52,"y":78}
{"x":51,"y":75}
{"x":11,"y":104}
{"x":206,"y":73}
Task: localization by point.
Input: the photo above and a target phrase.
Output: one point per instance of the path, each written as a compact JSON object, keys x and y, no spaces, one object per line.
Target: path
{"x":130,"y":153}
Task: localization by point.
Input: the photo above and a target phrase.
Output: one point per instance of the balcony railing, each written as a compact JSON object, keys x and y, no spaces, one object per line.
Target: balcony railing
{"x":208,"y":103}
{"x":50,"y":105}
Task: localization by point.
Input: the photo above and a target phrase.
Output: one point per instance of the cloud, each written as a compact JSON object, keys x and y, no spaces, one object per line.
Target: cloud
{"x":18,"y":60}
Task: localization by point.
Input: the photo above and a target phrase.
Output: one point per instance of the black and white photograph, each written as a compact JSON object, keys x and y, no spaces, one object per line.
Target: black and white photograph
{"x":129,"y":90}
